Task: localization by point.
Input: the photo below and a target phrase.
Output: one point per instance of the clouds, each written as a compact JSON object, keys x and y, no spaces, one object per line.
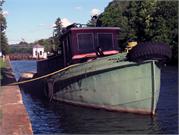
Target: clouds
{"x":65,"y":22}
{"x":5,"y":13}
{"x":95,"y":11}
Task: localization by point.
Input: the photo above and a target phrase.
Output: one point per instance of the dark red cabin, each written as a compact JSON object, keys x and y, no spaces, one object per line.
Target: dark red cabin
{"x":83,"y":43}
{"x":80,"y":44}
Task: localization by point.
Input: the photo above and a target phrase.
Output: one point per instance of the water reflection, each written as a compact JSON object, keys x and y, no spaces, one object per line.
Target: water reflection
{"x":58,"y":117}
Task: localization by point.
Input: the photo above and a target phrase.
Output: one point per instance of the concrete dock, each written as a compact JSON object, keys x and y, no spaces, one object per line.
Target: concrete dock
{"x":14,"y":119}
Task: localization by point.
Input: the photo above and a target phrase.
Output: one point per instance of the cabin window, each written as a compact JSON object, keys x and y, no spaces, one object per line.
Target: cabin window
{"x":85,"y":42}
{"x":105,"y":41}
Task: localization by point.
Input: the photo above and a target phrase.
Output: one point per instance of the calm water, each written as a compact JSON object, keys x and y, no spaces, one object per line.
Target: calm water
{"x":52,"y":117}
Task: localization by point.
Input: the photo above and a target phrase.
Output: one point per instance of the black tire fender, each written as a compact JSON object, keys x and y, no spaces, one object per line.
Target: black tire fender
{"x":150,"y":51}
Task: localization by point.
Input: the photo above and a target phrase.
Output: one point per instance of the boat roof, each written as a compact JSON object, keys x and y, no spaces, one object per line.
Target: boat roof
{"x":87,"y":28}
{"x":95,"y":28}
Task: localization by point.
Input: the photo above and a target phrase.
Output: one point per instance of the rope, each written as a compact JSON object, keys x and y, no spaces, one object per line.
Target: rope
{"x":44,"y":76}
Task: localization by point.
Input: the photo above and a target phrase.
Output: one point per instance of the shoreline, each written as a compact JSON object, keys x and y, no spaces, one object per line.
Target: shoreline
{"x":14,"y":117}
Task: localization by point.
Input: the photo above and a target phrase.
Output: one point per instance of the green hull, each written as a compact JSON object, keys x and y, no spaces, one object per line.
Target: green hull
{"x":110,"y":84}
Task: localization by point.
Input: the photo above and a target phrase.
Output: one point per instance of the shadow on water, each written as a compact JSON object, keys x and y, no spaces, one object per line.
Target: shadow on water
{"x":167,"y":112}
{"x":58,"y":117}
{"x":54,"y":117}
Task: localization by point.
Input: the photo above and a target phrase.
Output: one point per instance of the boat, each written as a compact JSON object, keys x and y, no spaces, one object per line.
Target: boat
{"x":91,"y":71}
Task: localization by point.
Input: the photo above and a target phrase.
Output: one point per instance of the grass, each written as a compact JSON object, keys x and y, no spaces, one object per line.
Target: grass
{"x":2,"y":65}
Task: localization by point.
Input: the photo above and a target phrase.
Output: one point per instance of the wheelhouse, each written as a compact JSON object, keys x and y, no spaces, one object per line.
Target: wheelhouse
{"x":80,"y":44}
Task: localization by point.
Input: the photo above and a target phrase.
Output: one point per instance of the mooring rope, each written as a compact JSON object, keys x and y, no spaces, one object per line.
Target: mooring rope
{"x":44,"y":76}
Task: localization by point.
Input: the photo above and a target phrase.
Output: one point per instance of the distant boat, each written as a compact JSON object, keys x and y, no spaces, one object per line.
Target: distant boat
{"x":92,"y":72}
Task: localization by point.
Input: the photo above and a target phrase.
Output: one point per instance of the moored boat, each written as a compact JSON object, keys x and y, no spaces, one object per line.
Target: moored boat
{"x":91,"y":71}
{"x":109,"y":84}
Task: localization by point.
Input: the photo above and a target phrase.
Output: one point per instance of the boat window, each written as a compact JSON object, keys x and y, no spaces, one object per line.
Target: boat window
{"x":105,"y":41}
{"x":85,"y":42}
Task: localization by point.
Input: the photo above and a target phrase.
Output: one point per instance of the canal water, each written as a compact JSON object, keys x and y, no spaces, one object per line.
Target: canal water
{"x":54,"y":117}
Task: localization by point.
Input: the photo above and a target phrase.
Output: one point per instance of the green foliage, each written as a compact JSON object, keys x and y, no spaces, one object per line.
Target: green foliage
{"x":166,"y":25}
{"x":113,"y":16}
{"x":3,"y":26}
{"x":147,"y":20}
{"x":2,"y":18}
{"x":2,"y":21}
{"x":53,"y":44}
{"x":57,"y":33}
{"x":140,"y":17}
{"x":4,"y":43}
{"x":93,"y":21}
{"x":2,"y":65}
{"x":47,"y":43}
{"x":18,"y":49}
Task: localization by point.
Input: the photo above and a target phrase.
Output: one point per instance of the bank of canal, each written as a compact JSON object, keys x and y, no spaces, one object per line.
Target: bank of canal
{"x":13,"y":116}
{"x":54,"y":117}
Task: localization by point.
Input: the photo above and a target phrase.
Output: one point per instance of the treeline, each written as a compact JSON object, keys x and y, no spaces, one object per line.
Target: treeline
{"x":22,"y":47}
{"x":26,"y":48}
{"x":147,"y":20}
{"x":19,"y":49}
{"x":47,"y":43}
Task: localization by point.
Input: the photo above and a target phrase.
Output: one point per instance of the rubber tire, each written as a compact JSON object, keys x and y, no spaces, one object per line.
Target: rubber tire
{"x":150,"y":51}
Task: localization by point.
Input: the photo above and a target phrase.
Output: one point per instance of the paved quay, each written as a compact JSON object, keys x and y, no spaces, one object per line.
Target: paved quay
{"x":14,"y":119}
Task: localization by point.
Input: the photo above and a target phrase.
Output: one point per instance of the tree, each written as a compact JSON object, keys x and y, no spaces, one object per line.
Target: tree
{"x":2,"y":18}
{"x":95,"y":21}
{"x":113,"y":16}
{"x":4,"y":44}
{"x":148,"y":20}
{"x":140,"y":18}
{"x":57,"y":33}
{"x":166,"y":25}
{"x":155,"y":21}
{"x":47,"y":43}
{"x":3,"y":25}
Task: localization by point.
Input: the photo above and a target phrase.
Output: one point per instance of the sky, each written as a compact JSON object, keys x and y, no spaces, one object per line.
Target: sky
{"x":31,"y":20}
